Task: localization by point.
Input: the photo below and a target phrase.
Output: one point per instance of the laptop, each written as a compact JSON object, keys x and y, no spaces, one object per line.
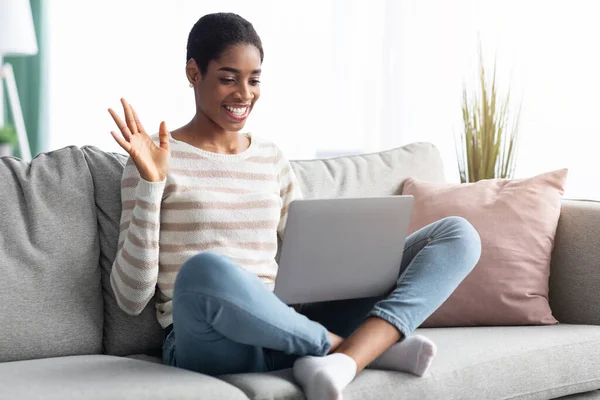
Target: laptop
{"x":344,"y":248}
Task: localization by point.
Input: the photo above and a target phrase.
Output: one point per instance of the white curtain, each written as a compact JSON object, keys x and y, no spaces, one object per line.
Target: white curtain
{"x":344,"y":76}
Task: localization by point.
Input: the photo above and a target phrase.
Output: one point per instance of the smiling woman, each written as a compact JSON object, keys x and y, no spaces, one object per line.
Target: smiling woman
{"x":202,"y":188}
{"x":203,"y":207}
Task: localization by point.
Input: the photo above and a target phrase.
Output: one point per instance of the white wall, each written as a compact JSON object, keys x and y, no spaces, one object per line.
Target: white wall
{"x":345,"y":75}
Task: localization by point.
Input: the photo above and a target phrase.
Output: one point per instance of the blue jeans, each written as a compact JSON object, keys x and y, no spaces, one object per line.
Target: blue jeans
{"x":225,"y":319}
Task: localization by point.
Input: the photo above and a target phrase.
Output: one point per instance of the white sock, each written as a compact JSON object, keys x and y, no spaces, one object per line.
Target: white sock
{"x":414,"y":354}
{"x":324,"y":378}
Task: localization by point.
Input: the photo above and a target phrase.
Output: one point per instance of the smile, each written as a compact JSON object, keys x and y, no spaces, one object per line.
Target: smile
{"x":238,"y":113}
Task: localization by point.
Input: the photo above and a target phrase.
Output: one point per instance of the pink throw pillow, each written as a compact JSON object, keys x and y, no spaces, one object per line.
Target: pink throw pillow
{"x":517,"y":221}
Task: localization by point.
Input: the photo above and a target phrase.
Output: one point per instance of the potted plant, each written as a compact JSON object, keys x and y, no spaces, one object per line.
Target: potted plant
{"x":8,"y":139}
{"x":488,"y":141}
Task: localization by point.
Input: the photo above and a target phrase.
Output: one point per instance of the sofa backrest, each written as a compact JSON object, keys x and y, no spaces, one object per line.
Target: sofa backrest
{"x":51,"y":296}
{"x":374,"y":174}
{"x":575,"y":267}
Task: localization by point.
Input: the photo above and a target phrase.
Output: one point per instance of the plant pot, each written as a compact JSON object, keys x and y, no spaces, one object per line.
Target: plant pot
{"x":6,"y":149}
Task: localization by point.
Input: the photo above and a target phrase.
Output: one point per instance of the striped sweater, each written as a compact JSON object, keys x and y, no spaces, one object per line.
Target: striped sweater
{"x":231,"y":204}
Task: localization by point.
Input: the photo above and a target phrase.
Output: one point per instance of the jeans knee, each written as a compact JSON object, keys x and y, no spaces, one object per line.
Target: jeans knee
{"x":201,"y":271}
{"x":467,"y":237}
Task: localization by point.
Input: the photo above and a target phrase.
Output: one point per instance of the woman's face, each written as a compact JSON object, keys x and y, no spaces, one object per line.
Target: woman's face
{"x":228,"y":91}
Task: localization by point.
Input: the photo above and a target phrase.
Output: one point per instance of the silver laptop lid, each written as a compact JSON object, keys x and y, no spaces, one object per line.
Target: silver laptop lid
{"x":343,"y":248}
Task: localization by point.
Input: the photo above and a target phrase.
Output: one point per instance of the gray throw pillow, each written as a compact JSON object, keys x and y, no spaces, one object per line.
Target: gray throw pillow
{"x":51,"y":295}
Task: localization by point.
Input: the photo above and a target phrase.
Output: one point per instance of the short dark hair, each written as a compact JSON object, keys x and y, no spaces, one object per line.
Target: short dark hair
{"x":214,"y":33}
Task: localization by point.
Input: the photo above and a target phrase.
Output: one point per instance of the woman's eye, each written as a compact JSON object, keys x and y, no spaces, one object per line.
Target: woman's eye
{"x":254,"y":82}
{"x":227,"y":80}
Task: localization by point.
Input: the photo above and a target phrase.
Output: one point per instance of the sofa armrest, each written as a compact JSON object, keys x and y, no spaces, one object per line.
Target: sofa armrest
{"x":575,"y":265}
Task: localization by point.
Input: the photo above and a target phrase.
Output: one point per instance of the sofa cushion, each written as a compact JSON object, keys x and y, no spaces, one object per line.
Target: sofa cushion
{"x":108,"y":377}
{"x":517,"y":221}
{"x":375,"y":174}
{"x":123,"y":334}
{"x":527,"y":362}
{"x":51,"y":295}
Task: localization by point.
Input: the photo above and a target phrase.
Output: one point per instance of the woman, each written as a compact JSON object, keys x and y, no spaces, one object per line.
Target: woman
{"x":202,"y":207}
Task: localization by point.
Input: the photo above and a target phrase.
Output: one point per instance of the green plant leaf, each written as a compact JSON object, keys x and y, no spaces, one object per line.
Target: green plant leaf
{"x":487,"y":147}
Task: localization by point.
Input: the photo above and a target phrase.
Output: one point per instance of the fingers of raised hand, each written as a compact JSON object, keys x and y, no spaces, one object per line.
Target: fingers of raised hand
{"x":163,"y":136}
{"x":129,"y":119}
{"x":137,"y":120}
{"x":122,"y":126}
{"x":122,"y":142}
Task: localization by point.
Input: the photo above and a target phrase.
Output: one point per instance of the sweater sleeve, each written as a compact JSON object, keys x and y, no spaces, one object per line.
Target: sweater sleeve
{"x":289,"y":189}
{"x":134,"y":272}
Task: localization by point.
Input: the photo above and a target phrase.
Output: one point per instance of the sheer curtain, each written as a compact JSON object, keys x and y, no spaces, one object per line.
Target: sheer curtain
{"x":344,"y":76}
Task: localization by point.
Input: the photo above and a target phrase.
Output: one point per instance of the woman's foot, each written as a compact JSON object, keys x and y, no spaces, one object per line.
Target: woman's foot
{"x":414,"y":354}
{"x":335,"y":342}
{"x":324,"y":378}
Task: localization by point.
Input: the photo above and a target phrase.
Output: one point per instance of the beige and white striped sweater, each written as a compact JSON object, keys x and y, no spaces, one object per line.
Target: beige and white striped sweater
{"x":232,"y":204}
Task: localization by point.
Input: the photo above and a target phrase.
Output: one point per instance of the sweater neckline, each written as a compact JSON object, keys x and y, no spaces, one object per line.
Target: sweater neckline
{"x":219,"y":156}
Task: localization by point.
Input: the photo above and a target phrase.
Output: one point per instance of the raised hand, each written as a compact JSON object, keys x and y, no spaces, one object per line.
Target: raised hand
{"x":152,"y":161}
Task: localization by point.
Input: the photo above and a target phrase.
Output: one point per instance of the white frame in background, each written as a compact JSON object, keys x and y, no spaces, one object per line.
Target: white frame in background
{"x":7,"y":74}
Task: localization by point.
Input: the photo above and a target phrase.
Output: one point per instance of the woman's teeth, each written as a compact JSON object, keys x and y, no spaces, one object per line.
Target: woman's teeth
{"x":236,"y":111}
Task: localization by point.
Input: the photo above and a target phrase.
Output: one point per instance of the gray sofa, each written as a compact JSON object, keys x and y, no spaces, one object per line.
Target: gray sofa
{"x":62,"y":335}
